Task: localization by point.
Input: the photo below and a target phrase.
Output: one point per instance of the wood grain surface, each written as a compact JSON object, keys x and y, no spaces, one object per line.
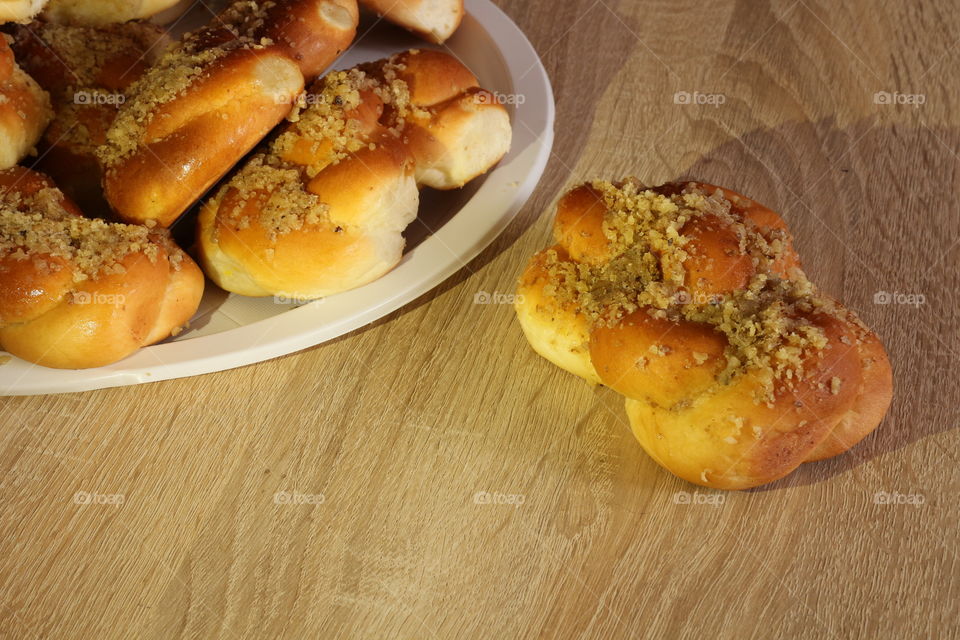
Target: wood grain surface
{"x":333,"y":493}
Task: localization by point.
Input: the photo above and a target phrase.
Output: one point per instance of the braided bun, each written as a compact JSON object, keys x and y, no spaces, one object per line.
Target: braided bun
{"x":78,"y":292}
{"x":690,"y":301}
{"x":322,"y":209}
{"x":211,"y":99}
{"x":24,"y":109}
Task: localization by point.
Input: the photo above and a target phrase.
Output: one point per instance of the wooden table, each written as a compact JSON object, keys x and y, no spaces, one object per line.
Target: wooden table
{"x":332,"y":493}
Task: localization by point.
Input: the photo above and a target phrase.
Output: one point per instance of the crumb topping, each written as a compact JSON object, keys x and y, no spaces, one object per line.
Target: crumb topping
{"x":162,"y":83}
{"x":86,"y":51}
{"x":835,"y":384}
{"x":327,"y":128}
{"x":764,"y":323}
{"x":245,"y":19}
{"x":37,"y":225}
{"x":79,"y":127}
{"x":178,"y":69}
{"x":282,"y":204}
{"x":90,"y":67}
{"x":323,"y":132}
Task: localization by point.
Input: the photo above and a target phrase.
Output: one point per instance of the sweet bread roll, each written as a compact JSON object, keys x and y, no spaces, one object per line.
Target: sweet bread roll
{"x":455,"y":130}
{"x":322,"y":208}
{"x":212,"y":98}
{"x":691,"y":302}
{"x":78,"y":292}
{"x":435,"y":20}
{"x":312,"y":33}
{"x":24,"y":109}
{"x":86,"y":71}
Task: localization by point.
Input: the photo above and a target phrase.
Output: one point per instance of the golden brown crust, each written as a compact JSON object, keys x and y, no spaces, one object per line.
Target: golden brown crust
{"x":24,"y":109}
{"x":78,"y":292}
{"x":434,"y":20}
{"x":578,"y":225}
{"x":159,"y":180}
{"x":431,"y":77}
{"x":693,"y":306}
{"x":208,"y":101}
{"x":555,"y":330}
{"x":872,"y":399}
{"x":322,"y":208}
{"x":455,"y":141}
{"x":313,"y":33}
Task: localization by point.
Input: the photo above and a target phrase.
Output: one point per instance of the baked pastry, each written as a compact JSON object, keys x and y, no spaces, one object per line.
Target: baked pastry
{"x":212,"y":98}
{"x":689,"y":300}
{"x":24,"y":109}
{"x":435,"y":20}
{"x":86,"y":12}
{"x":86,"y":70}
{"x":323,"y":207}
{"x":77,"y":292}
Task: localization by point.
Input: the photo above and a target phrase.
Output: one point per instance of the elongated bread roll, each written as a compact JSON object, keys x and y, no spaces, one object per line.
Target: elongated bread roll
{"x":78,"y":292}
{"x":212,"y":98}
{"x":323,"y":207}
{"x":689,"y":300}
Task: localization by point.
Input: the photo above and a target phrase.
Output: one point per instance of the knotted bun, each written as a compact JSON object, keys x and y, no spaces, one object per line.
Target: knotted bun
{"x":691,"y":302}
{"x":78,"y":292}
{"x":322,"y":208}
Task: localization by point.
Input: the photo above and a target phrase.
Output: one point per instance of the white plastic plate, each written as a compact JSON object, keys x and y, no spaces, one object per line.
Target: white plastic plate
{"x":231,"y":331}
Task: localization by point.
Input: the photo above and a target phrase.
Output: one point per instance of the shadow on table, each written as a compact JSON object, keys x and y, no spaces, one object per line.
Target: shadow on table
{"x":869,"y":204}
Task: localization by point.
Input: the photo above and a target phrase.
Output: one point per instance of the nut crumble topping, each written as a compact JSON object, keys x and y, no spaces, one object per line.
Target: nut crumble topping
{"x":326,"y":129}
{"x":37,"y":225}
{"x":764,"y":323}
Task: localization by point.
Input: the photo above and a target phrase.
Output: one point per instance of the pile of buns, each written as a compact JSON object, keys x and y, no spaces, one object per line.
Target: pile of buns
{"x":117,"y":122}
{"x":690,"y":301}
